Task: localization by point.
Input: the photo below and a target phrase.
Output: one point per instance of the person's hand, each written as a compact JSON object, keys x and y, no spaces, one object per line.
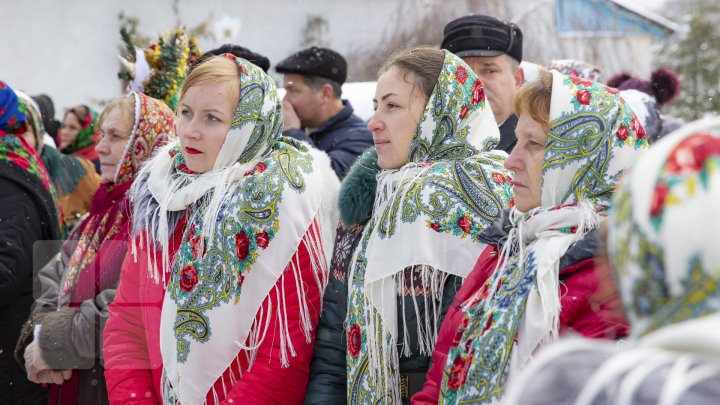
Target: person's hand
{"x":54,"y":376}
{"x":34,"y":362}
{"x":290,"y":117}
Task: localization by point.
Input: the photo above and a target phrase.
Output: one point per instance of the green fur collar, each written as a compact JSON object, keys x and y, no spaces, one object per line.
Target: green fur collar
{"x":357,"y":191}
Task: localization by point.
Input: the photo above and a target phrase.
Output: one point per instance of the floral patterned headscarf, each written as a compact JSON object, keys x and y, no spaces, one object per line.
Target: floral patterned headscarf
{"x":576,"y":68}
{"x":87,"y":137}
{"x":14,"y":149}
{"x":661,"y":236}
{"x":592,"y":139}
{"x":245,"y":219}
{"x":103,"y":234}
{"x":428,"y":215}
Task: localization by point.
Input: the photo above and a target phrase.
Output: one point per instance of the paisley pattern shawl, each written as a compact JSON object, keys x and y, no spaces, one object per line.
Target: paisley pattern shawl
{"x":245,"y":220}
{"x":428,"y":214}
{"x":97,"y":246}
{"x":14,"y":149}
{"x":667,"y":263}
{"x":592,"y":139}
{"x":661,"y":243}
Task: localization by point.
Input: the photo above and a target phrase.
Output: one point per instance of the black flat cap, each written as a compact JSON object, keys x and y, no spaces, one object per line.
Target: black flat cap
{"x":481,"y":35}
{"x":241,"y":52}
{"x":320,"y":62}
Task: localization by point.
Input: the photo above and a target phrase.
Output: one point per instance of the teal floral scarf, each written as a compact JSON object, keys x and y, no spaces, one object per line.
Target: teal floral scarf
{"x":592,"y":140}
{"x":427,"y":215}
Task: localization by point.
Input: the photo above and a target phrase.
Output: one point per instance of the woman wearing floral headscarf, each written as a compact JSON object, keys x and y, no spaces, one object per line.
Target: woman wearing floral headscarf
{"x":667,"y":264}
{"x":79,"y":134}
{"x":220,"y":300}
{"x":74,"y":177}
{"x":575,"y":139}
{"x":65,"y":327}
{"x":439,"y":186}
{"x":30,"y":213}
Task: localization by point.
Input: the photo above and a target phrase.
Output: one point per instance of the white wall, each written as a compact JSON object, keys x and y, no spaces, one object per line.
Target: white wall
{"x":68,"y":49}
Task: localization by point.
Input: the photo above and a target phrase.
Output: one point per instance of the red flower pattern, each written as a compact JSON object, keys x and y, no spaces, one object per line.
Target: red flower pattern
{"x":188,"y":278}
{"x":354,"y":340}
{"x":262,"y":239}
{"x":622,"y":134}
{"x":242,"y":245}
{"x":478,"y":92}
{"x":435,"y":226}
{"x":461,"y":330}
{"x":464,"y":223}
{"x":458,"y":371}
{"x":464,"y":111}
{"x":583,"y":96}
{"x":658,"y":202}
{"x":461,"y":74}
{"x":637,"y":127}
{"x":499,"y":178}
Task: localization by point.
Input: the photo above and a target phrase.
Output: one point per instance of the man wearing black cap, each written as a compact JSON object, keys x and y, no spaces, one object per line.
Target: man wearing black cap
{"x":313,"y":110}
{"x":493,"y":50}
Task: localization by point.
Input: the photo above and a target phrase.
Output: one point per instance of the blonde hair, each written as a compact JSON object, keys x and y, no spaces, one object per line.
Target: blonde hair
{"x":127,"y":105}
{"x":216,"y":69}
{"x":534,"y":99}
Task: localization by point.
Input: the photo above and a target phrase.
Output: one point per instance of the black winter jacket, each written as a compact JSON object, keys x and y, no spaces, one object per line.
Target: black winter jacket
{"x":328,"y":374}
{"x":27,"y":215}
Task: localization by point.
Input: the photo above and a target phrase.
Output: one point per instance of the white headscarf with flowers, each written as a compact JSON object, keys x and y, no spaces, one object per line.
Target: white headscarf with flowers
{"x":245,"y":220}
{"x":667,"y":263}
{"x":592,"y":140}
{"x":427,"y":216}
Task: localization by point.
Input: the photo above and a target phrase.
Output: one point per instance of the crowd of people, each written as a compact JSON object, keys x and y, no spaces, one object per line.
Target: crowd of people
{"x":498,"y":232}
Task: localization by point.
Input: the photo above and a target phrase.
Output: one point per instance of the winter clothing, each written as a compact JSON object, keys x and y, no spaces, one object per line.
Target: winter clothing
{"x":507,"y":135}
{"x":78,"y":286}
{"x":242,"y":286}
{"x":668,"y":268}
{"x":74,"y":177}
{"x":587,"y":307}
{"x":29,"y":214}
{"x":482,"y":35}
{"x":318,"y":62}
{"x":463,"y":179}
{"x":663,"y":87}
{"x":87,"y":138}
{"x":518,"y":309}
{"x":328,"y":371}
{"x":343,"y":137}
{"x":240,"y":51}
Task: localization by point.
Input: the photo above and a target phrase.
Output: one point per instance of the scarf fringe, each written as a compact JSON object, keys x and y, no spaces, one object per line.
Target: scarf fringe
{"x":258,"y":332}
{"x":382,"y":350}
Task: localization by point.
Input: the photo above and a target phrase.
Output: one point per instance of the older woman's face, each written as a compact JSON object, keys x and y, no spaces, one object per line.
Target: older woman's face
{"x":115,"y":131}
{"x":399,"y":105}
{"x":68,"y":131}
{"x":526,"y":161}
{"x":206,"y":112}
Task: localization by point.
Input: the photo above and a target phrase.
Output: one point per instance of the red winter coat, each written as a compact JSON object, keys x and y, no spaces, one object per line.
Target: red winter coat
{"x":588,"y":307}
{"x":133,"y":363}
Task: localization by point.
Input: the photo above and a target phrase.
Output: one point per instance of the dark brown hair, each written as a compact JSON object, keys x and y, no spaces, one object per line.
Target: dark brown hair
{"x":534,"y":99}
{"x":425,"y":62}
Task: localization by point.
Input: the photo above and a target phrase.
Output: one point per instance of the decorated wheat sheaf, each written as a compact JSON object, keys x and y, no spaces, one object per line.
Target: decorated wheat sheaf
{"x":167,"y":60}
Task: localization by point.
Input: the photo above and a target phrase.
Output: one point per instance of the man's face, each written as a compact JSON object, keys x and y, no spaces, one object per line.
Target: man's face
{"x":305,"y":100}
{"x":501,"y":80}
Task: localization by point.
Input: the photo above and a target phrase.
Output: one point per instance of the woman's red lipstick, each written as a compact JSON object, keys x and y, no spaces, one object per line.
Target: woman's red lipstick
{"x":192,"y":151}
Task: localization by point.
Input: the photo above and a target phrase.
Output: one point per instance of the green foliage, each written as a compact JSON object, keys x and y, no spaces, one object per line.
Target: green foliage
{"x":695,"y":55}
